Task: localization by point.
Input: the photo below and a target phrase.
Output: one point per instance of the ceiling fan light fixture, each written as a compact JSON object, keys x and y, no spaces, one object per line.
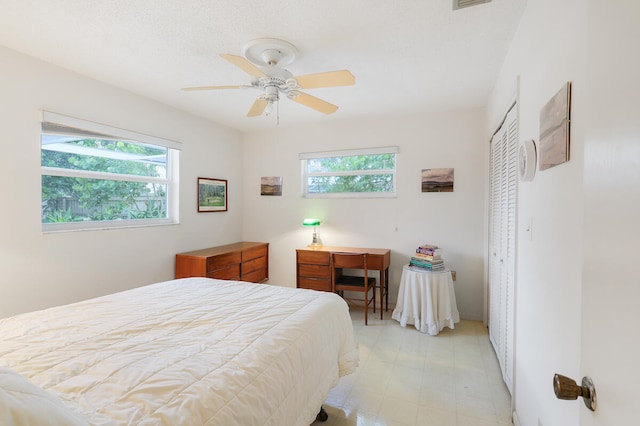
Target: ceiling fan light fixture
{"x":271,"y":95}
{"x":269,"y":108}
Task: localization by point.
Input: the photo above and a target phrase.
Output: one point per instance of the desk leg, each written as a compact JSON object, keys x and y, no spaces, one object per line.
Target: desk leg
{"x":386,"y":292}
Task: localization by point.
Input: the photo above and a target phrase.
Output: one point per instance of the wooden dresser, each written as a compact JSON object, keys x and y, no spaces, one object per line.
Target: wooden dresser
{"x":245,"y":261}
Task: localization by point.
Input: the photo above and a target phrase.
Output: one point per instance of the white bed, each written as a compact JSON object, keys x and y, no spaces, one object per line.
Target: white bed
{"x":193,"y":351}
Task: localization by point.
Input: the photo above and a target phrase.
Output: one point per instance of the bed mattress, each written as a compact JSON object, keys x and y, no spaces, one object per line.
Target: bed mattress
{"x":193,"y":351}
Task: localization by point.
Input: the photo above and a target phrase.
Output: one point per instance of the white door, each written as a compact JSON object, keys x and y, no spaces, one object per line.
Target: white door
{"x":611,"y":284}
{"x":502,"y":242}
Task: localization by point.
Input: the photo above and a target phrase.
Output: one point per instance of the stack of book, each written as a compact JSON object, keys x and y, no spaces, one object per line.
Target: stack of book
{"x":427,"y":257}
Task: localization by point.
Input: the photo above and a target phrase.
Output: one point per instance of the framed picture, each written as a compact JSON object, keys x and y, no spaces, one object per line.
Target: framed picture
{"x":212,"y":195}
{"x":437,"y":180}
{"x":271,"y":185}
{"x":555,"y":118}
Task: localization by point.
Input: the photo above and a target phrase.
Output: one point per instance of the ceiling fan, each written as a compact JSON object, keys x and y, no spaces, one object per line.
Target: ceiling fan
{"x":264,"y":61}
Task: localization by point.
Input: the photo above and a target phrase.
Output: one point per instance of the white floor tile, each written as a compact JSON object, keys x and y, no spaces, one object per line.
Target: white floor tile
{"x":399,"y":410}
{"x":407,"y":378}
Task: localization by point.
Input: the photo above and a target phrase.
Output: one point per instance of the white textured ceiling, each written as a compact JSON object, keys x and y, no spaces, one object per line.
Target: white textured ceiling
{"x":408,"y":56}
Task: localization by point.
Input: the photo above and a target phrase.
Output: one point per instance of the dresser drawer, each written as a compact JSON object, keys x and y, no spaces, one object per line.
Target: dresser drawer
{"x":314,"y":271}
{"x":315,"y":284}
{"x":255,"y":276}
{"x":222,"y":261}
{"x":229,"y":273}
{"x":314,"y":257}
{"x":254,"y":252}
{"x":252,"y":265}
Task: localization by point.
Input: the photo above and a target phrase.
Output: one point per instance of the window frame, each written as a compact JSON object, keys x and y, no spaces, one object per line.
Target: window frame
{"x":304,"y":157}
{"x":95,"y":130}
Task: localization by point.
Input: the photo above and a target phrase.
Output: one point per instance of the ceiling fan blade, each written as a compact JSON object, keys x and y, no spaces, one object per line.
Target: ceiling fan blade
{"x":242,"y":86}
{"x":326,"y":79}
{"x":258,"y":107}
{"x":315,"y":103}
{"x":244,"y":65}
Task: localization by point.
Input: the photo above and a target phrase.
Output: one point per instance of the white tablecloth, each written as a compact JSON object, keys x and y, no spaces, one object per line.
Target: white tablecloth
{"x":427,"y":300}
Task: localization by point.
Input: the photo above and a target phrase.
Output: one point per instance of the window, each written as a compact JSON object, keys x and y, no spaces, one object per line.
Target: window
{"x":97,"y":176}
{"x":350,"y":173}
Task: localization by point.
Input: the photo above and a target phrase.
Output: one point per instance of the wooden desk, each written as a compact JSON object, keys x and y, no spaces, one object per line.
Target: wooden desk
{"x":313,"y":267}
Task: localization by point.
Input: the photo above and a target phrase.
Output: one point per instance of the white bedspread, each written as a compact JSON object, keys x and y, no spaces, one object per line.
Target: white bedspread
{"x":188,"y":352}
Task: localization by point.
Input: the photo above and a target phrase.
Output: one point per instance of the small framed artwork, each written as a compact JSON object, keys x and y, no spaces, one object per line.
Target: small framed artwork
{"x":271,"y":185}
{"x":437,"y":180}
{"x":555,"y":120}
{"x":212,"y":195}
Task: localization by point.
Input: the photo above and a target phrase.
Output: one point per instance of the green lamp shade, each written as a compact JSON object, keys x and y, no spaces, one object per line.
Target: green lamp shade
{"x":311,"y":222}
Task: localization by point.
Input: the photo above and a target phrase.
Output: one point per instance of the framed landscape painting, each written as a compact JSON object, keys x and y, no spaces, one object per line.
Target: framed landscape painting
{"x":437,"y":180}
{"x":212,"y":195}
{"x":271,"y":185}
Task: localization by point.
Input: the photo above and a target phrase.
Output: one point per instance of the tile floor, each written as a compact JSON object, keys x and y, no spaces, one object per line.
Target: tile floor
{"x":407,"y":378}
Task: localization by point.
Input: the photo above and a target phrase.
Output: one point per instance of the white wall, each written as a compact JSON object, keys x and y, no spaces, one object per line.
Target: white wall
{"x":547,"y":51}
{"x":41,"y":270}
{"x":454,"y":221}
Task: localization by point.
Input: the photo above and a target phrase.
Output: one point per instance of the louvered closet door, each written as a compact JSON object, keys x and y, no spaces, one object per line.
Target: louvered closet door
{"x":495,"y":227}
{"x":502,"y":241}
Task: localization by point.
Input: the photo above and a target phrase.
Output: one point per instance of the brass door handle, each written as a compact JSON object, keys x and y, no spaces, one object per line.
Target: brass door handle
{"x":566,"y":388}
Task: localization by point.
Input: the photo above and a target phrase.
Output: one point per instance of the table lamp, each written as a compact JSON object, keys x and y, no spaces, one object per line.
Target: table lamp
{"x":313,"y":222}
